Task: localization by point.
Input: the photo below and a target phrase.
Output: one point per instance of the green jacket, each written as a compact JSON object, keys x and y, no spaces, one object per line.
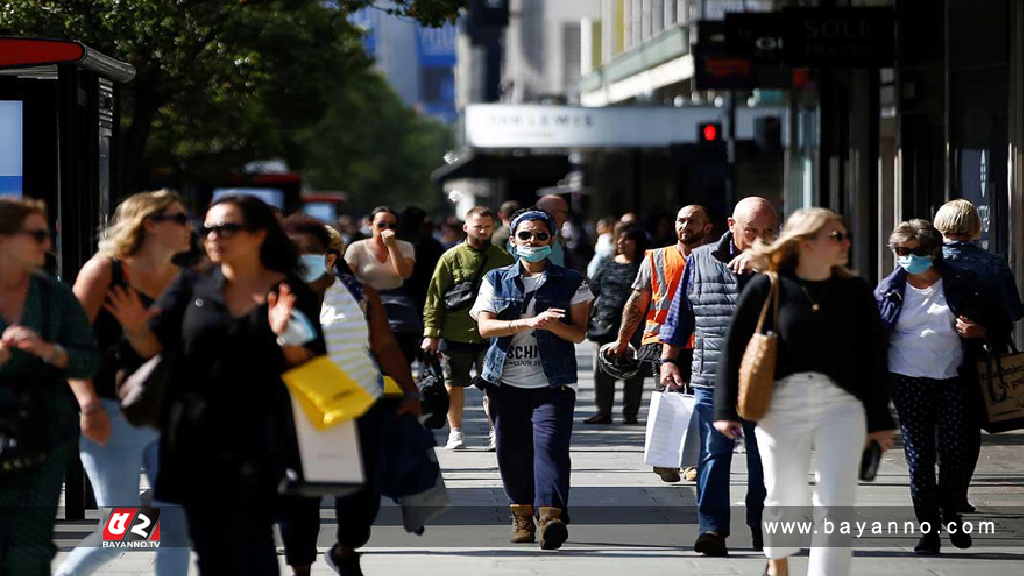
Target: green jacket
{"x":460,"y":264}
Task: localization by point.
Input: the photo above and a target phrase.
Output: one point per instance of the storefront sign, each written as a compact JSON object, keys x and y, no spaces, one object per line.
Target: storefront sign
{"x":838,"y":37}
{"x":548,"y":127}
{"x":756,"y":34}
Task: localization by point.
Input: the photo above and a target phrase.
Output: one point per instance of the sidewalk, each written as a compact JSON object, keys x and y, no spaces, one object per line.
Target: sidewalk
{"x":627,"y":522}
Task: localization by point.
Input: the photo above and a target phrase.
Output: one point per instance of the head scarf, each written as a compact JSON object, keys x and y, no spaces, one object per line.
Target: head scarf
{"x":535,"y":215}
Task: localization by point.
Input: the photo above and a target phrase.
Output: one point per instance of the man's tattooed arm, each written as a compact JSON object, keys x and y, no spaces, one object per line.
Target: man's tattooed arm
{"x":633,"y":314}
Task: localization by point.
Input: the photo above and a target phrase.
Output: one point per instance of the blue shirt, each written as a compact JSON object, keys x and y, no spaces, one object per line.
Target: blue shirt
{"x":993,"y":272}
{"x":679,"y":324}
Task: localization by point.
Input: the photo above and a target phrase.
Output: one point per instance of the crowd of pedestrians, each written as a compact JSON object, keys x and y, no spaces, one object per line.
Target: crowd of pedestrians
{"x":500,"y":299}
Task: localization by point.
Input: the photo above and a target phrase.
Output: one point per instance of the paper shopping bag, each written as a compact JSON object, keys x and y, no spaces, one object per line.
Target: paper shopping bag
{"x":668,"y":424}
{"x":1001,"y":377}
{"x":329,"y":460}
{"x":326,"y":393}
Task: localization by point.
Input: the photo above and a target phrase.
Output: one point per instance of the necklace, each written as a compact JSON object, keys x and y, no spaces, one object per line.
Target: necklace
{"x":815,"y":306}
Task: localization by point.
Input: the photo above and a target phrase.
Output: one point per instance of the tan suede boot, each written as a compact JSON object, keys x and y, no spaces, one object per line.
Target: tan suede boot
{"x":523,"y":529}
{"x":553,"y":532}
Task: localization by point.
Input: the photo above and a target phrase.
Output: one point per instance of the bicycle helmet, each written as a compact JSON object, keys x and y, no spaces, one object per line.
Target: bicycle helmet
{"x":622,"y":367}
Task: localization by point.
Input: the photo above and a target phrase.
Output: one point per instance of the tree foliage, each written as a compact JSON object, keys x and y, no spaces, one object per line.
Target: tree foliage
{"x":218,"y":82}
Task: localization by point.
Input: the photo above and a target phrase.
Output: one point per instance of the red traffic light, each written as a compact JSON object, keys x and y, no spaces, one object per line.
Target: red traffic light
{"x":709,"y":132}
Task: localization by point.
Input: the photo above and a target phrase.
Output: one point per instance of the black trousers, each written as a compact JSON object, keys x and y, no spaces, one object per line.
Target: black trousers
{"x":300,"y":527}
{"x":233,"y":535}
{"x":358,"y":511}
{"x":932,"y":409}
{"x":604,"y":392}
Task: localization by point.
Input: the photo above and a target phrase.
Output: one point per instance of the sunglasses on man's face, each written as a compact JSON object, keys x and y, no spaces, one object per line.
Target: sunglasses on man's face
{"x":39,"y":235}
{"x":539,"y":236}
{"x":224,"y":231}
{"x":919,"y":251}
{"x":179,"y":218}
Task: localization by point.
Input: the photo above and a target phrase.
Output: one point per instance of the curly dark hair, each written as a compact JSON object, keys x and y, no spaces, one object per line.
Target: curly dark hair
{"x":277,"y":252}
{"x":303,"y":224}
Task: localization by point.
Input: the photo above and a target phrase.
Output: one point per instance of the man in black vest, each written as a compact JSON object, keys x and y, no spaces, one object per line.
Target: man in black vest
{"x":703,"y":307}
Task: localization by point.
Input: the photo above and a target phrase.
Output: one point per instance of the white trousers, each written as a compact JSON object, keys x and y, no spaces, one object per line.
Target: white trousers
{"x":809,"y":411}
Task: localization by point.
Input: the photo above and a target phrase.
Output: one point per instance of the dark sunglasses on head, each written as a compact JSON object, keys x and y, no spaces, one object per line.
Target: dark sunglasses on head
{"x":539,"y":236}
{"x":919,"y":251}
{"x":841,"y":236}
{"x":387,"y":225}
{"x":222,"y":230}
{"x":180,"y":218}
{"x":39,"y":235}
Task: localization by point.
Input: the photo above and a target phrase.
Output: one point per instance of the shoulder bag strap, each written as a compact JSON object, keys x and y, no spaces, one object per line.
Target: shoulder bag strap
{"x":483,"y":267}
{"x":771,"y":300}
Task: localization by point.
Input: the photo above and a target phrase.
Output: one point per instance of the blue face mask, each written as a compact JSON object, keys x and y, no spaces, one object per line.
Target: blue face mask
{"x":532,"y":253}
{"x":914,"y":264}
{"x":314,"y":266}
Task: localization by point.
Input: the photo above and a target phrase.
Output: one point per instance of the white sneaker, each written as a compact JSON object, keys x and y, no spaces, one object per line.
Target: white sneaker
{"x":456,"y":441}
{"x":492,"y":443}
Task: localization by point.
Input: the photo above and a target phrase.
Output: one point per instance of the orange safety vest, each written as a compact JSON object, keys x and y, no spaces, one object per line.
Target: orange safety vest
{"x":667,"y":265}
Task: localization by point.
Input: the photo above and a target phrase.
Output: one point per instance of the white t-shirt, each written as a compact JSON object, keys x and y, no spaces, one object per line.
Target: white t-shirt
{"x":523,"y":367}
{"x":347,"y":336}
{"x":378,"y":275}
{"x":924,"y":341}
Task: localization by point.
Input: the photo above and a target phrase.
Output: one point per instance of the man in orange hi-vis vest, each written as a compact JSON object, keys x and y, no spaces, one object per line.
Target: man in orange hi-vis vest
{"x":655,"y":285}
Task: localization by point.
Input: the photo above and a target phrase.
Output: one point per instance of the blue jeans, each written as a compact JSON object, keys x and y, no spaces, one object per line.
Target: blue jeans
{"x":114,"y":472}
{"x":715,"y":469}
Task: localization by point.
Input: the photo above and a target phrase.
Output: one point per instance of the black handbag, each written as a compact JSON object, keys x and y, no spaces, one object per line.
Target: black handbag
{"x":462,"y":294}
{"x":143,"y":393}
{"x":433,"y":395}
{"x":23,"y":434}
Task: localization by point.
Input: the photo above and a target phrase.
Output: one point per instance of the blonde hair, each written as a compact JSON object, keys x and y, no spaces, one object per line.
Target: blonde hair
{"x":784,"y":253}
{"x":126,"y":233}
{"x":337,"y":241}
{"x":958,"y":217}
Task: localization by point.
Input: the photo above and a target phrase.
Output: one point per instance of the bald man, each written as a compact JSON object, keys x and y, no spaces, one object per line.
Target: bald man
{"x":559,"y":208}
{"x":702,"y":308}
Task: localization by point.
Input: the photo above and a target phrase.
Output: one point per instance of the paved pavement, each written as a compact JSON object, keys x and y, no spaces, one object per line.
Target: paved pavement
{"x":626,"y":521}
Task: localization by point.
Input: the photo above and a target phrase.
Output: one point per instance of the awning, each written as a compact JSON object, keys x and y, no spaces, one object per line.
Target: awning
{"x":474,"y":164}
{"x":37,"y":55}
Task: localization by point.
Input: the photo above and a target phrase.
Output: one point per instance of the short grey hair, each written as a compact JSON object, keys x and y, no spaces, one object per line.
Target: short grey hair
{"x":920,"y":230}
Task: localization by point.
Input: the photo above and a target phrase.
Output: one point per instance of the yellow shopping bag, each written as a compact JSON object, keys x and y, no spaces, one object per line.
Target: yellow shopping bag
{"x":326,"y":393}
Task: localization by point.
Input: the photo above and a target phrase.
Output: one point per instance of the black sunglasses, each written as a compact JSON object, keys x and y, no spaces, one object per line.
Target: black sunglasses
{"x":39,"y":235}
{"x":387,"y":225}
{"x":223,"y":230}
{"x":841,"y":236}
{"x":919,"y":251}
{"x":527,"y":236}
{"x":179,"y":218}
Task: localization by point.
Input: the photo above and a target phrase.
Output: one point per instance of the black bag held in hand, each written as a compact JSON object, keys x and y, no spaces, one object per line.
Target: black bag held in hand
{"x":462,"y":294}
{"x":23,"y":433}
{"x":870,"y":460}
{"x":144,"y":392}
{"x":433,"y":394}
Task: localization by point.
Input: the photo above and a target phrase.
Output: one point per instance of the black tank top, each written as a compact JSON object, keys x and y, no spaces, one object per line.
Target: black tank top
{"x":117,"y":352}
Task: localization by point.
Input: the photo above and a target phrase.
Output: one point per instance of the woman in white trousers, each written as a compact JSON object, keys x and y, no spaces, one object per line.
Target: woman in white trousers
{"x":831,"y":393}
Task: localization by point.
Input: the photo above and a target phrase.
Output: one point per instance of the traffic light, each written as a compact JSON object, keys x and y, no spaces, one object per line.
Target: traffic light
{"x":709,"y":132}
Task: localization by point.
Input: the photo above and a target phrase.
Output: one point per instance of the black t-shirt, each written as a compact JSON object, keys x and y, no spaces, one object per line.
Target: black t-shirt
{"x":229,"y":417}
{"x":844,"y":340}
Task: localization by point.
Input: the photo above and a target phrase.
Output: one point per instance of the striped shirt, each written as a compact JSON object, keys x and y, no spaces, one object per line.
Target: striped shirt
{"x":348,"y":337}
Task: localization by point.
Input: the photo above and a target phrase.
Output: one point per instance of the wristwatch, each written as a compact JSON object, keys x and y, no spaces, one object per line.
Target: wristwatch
{"x":668,"y":361}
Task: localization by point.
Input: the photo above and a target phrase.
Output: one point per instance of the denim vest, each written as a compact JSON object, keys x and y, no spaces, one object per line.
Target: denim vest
{"x":557,"y":356}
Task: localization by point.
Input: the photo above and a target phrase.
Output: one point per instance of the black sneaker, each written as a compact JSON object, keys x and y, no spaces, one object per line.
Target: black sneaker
{"x":711,"y":545}
{"x":347,"y":566}
{"x":967,"y":508}
{"x":957,"y":536}
{"x":757,"y":540}
{"x":929,"y":544}
{"x":630,"y":420}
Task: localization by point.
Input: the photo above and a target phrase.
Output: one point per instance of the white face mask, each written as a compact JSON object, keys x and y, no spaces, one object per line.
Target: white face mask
{"x":314,"y":266}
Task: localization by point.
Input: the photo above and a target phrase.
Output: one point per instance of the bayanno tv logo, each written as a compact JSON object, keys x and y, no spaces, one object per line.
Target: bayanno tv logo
{"x":132,"y":528}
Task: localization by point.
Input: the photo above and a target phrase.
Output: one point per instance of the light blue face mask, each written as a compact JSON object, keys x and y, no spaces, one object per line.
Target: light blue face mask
{"x":314,"y":266}
{"x":915,"y":264}
{"x":532,"y":253}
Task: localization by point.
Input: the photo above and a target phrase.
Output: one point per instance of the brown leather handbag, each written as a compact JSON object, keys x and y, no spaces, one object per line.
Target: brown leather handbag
{"x":757,"y":369}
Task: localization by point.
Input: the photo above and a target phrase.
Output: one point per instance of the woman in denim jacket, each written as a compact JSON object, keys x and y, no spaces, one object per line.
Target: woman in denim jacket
{"x":936,"y":318}
{"x":534,"y":312}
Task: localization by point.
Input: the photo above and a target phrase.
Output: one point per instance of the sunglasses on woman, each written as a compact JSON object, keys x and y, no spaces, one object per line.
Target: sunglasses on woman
{"x":919,"y":251}
{"x":840,"y":236}
{"x":388,"y":225}
{"x":539,"y":236}
{"x":224,"y":231}
{"x":179,"y":218}
{"x":39,"y":235}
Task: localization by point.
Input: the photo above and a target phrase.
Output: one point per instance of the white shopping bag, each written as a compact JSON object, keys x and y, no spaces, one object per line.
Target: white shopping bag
{"x":331,"y":459}
{"x":672,"y":438}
